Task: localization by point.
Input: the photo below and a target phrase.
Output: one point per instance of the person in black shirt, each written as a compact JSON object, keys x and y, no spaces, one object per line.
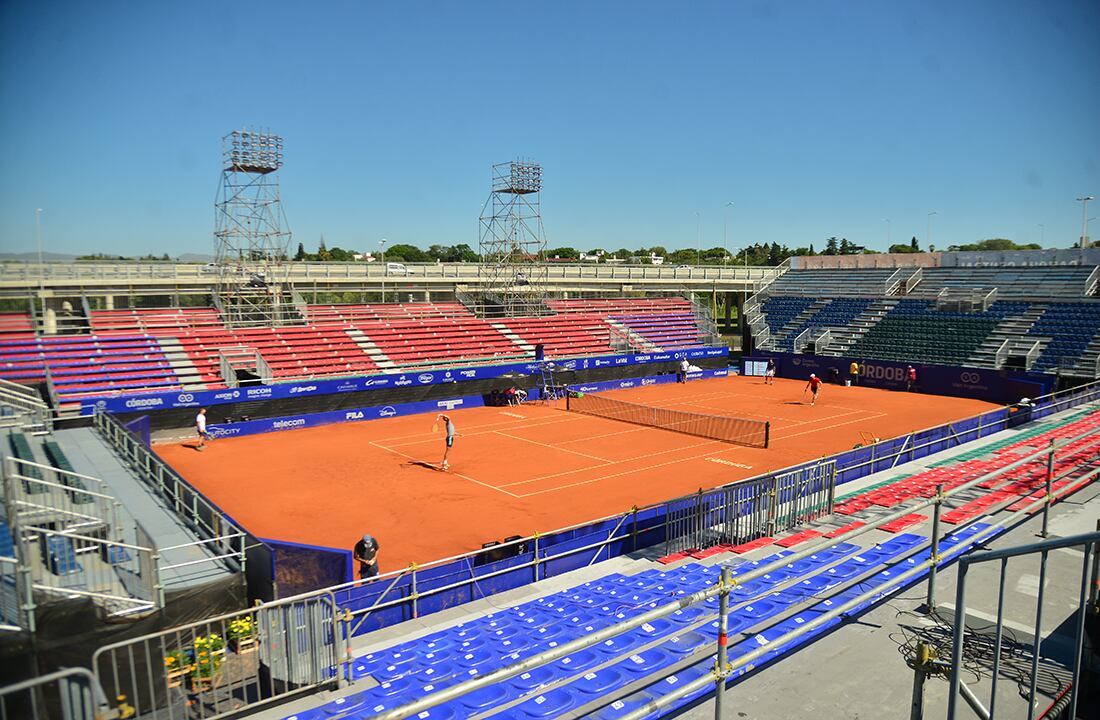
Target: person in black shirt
{"x":366,"y":554}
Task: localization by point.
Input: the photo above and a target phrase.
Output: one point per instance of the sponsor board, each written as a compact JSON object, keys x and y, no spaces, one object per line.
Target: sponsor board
{"x":167,"y":400}
{"x":252,"y":427}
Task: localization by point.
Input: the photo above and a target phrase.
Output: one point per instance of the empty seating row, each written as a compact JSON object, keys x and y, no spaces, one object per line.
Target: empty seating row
{"x":1071,"y":327}
{"x":838,"y":312}
{"x":438,"y":340}
{"x":914,"y":331}
{"x":682,"y":641}
{"x":385,"y":311}
{"x":820,"y":283}
{"x":1058,"y":281}
{"x":15,"y":325}
{"x":563,"y":335}
{"x":155,"y":321}
{"x":607,"y":306}
{"x":665,"y":330}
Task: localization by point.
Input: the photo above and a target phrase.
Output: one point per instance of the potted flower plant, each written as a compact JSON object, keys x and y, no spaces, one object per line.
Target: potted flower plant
{"x":242,"y":634}
{"x":209,"y":654}
{"x":178,"y":664}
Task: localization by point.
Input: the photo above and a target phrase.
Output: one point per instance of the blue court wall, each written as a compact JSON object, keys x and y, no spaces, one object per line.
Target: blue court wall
{"x":1000,"y":386}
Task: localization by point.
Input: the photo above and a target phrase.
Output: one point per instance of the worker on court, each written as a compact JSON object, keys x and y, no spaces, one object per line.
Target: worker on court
{"x":813,"y":385}
{"x":450,"y":427}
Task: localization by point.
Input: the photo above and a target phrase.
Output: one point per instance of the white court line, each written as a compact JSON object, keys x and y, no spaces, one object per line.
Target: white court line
{"x":552,"y":447}
{"x":464,"y":477}
{"x":687,"y":459}
{"x":619,"y":462}
{"x":426,"y":437}
{"x":605,"y":435}
{"x":874,"y":416}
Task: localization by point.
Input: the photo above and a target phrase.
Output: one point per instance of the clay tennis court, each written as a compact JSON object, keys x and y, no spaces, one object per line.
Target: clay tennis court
{"x":518,"y":470}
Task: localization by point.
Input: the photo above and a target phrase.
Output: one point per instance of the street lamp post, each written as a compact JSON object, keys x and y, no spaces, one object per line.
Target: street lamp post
{"x":38,"y":240}
{"x":1084,"y":218}
{"x":887,"y":220}
{"x":382,"y":244}
{"x":928,"y":228}
{"x":725,"y":231}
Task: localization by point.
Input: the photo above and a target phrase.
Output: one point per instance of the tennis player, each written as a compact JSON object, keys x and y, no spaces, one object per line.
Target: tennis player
{"x":449,"y":424}
{"x":813,"y":385}
{"x":769,"y":372}
{"x":200,"y":428}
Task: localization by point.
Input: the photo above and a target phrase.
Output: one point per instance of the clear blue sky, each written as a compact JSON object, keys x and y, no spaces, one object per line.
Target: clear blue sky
{"x":815,"y":118}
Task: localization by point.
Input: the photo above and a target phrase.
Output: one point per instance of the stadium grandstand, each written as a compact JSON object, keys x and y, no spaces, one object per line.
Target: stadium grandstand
{"x":634,"y":521}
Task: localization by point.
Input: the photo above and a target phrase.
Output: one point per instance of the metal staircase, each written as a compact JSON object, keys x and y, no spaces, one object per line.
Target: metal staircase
{"x":1010,"y":337}
{"x":844,"y":338}
{"x":797,"y":322}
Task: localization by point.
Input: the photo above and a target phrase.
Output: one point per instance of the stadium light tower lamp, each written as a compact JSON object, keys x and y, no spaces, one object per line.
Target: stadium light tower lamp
{"x":928,"y":228}
{"x":1085,"y":219}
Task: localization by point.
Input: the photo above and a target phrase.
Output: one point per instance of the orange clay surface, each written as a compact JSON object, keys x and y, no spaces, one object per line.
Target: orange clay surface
{"x":518,"y":470}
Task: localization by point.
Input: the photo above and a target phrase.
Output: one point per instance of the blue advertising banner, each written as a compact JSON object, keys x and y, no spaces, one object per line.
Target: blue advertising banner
{"x":205,"y":398}
{"x":1001,"y":386}
{"x":294,"y":422}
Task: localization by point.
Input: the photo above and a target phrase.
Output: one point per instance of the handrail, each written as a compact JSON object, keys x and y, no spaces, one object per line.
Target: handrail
{"x":914,"y":279}
{"x":1091,"y":281}
{"x":892,"y":283}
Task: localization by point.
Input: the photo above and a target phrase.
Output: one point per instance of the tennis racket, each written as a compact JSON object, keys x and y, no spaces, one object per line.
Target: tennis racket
{"x":435,"y":426}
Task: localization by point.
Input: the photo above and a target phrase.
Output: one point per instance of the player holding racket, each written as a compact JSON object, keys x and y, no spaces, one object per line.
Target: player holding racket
{"x":813,"y":385}
{"x":450,"y":427}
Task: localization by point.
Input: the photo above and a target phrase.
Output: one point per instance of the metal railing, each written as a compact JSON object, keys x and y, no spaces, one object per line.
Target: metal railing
{"x":69,"y":694}
{"x":1092,"y":281}
{"x":893,"y":282}
{"x":16,"y":597}
{"x":73,"y":538}
{"x":913,"y":280}
{"x":29,"y":409}
{"x":724,"y":668}
{"x":215,"y":667}
{"x":224,"y":536}
{"x":749,"y":509}
{"x":1089,"y":544}
{"x":1001,"y":354}
{"x":303,"y":271}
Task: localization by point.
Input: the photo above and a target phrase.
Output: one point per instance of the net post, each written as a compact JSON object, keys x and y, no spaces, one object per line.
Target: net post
{"x":567,"y":398}
{"x":767,"y":433}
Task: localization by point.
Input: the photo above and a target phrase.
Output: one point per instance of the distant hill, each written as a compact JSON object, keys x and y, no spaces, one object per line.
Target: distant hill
{"x":33,"y":257}
{"x":66,"y":258}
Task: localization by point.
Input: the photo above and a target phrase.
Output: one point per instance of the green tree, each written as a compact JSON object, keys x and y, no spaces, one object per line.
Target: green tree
{"x":914,"y":245}
{"x":322,"y":252}
{"x":406,"y":253}
{"x":337,"y":254}
{"x":901,"y":248}
{"x":845,"y":247}
{"x":565,"y":253}
{"x":831,"y":246}
{"x":775,"y":254}
{"x":301,"y":254}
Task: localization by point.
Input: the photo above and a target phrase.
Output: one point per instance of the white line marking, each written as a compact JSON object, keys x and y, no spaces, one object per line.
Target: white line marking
{"x":464,"y":477}
{"x":622,"y":462}
{"x":552,"y":447}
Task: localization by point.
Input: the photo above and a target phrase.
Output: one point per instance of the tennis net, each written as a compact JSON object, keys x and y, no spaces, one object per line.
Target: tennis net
{"x":740,"y":431}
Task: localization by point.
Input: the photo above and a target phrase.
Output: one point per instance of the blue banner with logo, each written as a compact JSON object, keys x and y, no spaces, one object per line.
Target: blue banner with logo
{"x":1000,"y":386}
{"x":204,"y":398}
{"x":295,"y":422}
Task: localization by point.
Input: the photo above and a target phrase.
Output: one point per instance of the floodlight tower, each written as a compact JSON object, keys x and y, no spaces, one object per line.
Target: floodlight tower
{"x":250,"y":235}
{"x":512,"y":273}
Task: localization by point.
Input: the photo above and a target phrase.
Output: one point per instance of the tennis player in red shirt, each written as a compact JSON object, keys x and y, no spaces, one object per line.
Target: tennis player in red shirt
{"x":812,"y":386}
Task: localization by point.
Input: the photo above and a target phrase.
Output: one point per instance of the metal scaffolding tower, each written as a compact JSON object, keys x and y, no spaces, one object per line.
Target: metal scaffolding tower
{"x":250,"y":235}
{"x":512,"y":273}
